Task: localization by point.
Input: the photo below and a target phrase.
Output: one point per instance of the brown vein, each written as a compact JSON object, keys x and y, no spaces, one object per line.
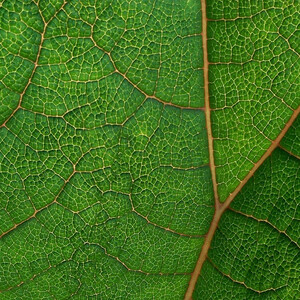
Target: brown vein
{"x":35,"y":65}
{"x":40,"y":209}
{"x":133,"y":270}
{"x":289,"y":152}
{"x":272,"y":147}
{"x":223,"y":206}
{"x":265,"y":221}
{"x":136,"y":86}
{"x":206,"y":102}
{"x":244,"y":284}
{"x":218,"y":207}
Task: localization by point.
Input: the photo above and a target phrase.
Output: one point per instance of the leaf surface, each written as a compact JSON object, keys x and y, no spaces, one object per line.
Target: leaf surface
{"x":130,"y":135}
{"x":255,"y":251}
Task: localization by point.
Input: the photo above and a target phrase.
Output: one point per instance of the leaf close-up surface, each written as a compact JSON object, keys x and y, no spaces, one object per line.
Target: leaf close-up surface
{"x":149,"y":149}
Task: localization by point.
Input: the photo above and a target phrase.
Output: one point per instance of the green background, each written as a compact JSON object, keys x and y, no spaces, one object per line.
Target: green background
{"x":104,"y":167}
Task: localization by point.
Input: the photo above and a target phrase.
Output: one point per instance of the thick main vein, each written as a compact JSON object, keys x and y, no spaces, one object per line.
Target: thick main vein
{"x":218,"y":209}
{"x":221,"y":207}
{"x":206,"y":103}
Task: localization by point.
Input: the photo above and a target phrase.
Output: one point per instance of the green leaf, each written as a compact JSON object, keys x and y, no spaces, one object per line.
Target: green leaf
{"x":149,"y":149}
{"x":255,"y":251}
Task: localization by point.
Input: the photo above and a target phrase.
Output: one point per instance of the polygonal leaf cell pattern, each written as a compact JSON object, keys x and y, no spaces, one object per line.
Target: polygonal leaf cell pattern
{"x":127,"y":129}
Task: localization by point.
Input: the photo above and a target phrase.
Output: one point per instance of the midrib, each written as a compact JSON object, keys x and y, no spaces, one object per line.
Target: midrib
{"x":218,"y":205}
{"x":220,"y":208}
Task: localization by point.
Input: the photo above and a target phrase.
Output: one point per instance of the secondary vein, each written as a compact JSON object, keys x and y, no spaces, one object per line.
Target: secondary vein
{"x":224,"y":206}
{"x":220,"y":208}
